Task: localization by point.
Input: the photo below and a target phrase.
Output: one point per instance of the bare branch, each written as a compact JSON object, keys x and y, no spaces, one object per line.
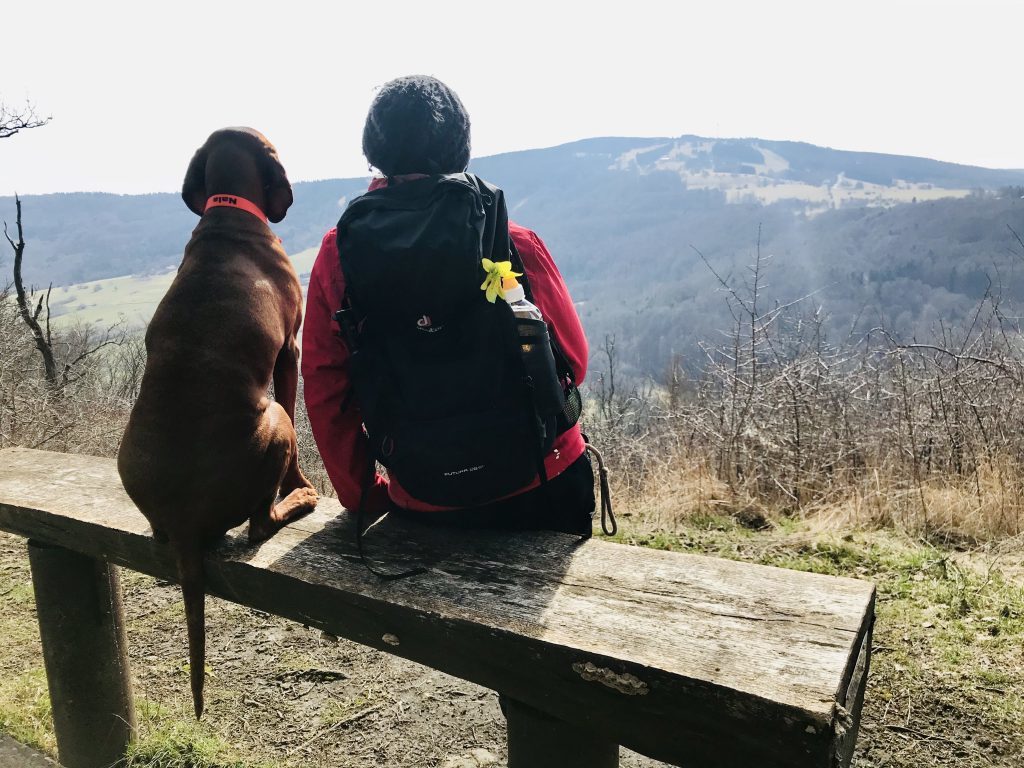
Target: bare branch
{"x":941,"y":350}
{"x":49,"y":338}
{"x":721,"y":280}
{"x":1018,"y":238}
{"x":14,"y":120}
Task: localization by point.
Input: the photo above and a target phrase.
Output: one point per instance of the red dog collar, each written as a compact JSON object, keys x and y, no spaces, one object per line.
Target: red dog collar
{"x":234,"y":201}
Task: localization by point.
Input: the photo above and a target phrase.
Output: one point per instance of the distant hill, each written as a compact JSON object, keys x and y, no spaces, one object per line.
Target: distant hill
{"x":908,"y":238}
{"x":83,"y":236}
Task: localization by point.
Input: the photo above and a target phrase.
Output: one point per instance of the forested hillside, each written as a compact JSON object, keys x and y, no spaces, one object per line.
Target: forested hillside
{"x":903,"y":239}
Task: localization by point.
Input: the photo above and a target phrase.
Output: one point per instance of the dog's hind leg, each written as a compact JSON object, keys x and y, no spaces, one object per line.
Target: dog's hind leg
{"x":293,"y":480}
{"x":286,"y":377}
{"x":269,"y":517}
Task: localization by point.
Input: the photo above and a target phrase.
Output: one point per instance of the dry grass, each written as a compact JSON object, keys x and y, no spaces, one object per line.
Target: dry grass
{"x":961,"y":511}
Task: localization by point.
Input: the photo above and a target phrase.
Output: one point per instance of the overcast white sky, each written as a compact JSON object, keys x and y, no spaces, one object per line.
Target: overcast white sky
{"x":135,"y":87}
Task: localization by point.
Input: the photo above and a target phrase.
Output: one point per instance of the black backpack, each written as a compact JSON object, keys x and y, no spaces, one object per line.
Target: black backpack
{"x":460,"y":399}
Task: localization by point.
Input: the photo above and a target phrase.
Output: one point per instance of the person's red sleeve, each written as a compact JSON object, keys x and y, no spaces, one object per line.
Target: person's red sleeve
{"x":327,"y":385}
{"x":552,"y":298}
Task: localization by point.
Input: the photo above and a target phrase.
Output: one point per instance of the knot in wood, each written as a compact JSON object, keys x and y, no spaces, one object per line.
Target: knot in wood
{"x":843,"y":722}
{"x":390,"y":639}
{"x":631,"y":685}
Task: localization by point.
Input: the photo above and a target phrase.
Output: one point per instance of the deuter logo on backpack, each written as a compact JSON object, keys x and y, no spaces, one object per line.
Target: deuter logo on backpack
{"x":470,"y":412}
{"x":426,"y":325}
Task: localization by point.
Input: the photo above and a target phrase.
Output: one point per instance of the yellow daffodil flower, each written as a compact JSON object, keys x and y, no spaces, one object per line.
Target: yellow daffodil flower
{"x":496,"y":272}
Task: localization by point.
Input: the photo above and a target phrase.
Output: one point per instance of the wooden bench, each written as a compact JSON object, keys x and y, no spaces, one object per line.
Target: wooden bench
{"x":691,"y":660}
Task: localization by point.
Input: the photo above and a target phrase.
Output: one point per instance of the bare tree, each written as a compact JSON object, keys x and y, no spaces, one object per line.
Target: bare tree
{"x":14,"y":120}
{"x":43,"y":339}
{"x":29,"y":307}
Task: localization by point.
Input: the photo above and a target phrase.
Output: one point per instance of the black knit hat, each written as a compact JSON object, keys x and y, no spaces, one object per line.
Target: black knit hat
{"x":416,"y":124}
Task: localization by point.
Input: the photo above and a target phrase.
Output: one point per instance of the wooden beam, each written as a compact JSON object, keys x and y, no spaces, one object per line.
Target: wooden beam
{"x":680,"y":657}
{"x":81,"y":623}
{"x":536,"y":740}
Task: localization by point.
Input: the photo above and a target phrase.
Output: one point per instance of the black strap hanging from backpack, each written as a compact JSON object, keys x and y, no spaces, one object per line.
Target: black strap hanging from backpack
{"x":361,"y":532}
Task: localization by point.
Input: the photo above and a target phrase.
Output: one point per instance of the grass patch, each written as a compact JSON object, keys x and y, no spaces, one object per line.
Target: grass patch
{"x":25,"y":713}
{"x":169,"y":741}
{"x":295,"y":661}
{"x":20,"y":595}
{"x":338,"y":711}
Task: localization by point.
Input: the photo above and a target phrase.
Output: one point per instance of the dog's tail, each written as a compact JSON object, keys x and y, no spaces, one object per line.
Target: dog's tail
{"x":190,"y":573}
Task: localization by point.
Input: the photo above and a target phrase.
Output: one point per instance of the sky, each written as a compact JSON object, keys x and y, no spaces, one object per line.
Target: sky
{"x":134,"y":88}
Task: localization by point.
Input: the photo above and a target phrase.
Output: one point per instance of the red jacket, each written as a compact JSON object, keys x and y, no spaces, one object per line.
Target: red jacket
{"x":326,"y":378}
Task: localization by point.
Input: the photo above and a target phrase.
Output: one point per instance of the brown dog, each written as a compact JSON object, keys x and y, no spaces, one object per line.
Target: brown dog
{"x":205,"y":449}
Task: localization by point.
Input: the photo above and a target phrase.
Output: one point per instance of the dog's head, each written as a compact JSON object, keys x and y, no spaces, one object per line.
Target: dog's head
{"x":277,"y":191}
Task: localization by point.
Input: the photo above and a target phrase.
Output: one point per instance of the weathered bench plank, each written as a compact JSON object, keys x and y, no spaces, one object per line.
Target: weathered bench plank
{"x":684,"y":658}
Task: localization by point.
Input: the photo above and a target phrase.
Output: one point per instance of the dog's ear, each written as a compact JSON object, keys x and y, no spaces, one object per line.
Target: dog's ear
{"x":193,"y":191}
{"x":278,"y":189}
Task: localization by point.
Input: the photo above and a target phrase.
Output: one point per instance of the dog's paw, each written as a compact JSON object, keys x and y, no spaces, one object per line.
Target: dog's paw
{"x":299,"y":502}
{"x":304,"y":498}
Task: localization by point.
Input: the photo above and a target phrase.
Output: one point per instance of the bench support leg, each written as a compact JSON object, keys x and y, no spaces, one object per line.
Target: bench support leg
{"x":81,"y":622}
{"x":536,"y":740}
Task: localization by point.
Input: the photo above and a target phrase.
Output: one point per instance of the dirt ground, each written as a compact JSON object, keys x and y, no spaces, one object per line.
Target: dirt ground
{"x":280,"y":694}
{"x":297,"y":697}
